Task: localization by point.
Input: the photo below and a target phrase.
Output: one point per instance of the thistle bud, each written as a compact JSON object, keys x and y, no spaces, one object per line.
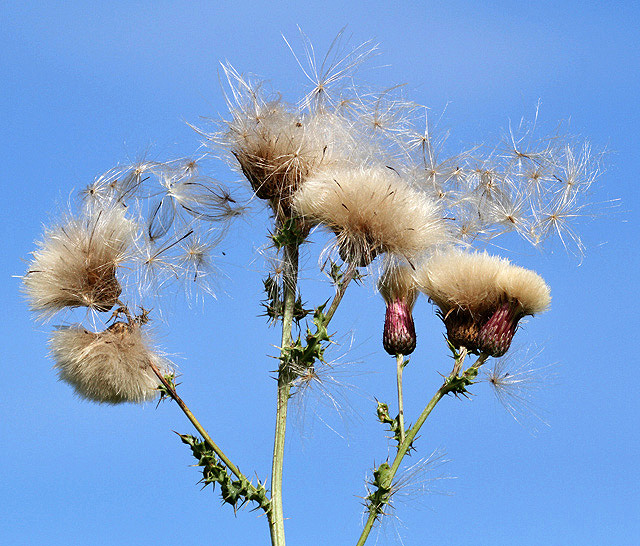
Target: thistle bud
{"x":399,"y":335}
{"x":397,"y":288}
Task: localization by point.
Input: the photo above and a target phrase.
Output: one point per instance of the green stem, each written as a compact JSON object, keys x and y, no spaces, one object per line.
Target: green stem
{"x":367,"y":527}
{"x":285,"y":379}
{"x":405,"y":445}
{"x":374,"y":511}
{"x":413,"y":431}
{"x":290,"y":281}
{"x":174,"y":395}
{"x":399,"y":369}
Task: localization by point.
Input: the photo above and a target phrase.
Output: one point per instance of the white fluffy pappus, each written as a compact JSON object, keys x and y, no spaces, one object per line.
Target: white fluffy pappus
{"x":478,"y":282}
{"x":112,"y":366}
{"x":75,"y":263}
{"x":397,"y":282}
{"x":372,"y":210}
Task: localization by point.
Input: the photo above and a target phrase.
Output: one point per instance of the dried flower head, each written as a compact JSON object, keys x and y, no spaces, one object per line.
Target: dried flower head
{"x":110,"y":367}
{"x":371,"y":210}
{"x":276,"y":145}
{"x":397,"y":288}
{"x":481,"y":297}
{"x":76,"y":262}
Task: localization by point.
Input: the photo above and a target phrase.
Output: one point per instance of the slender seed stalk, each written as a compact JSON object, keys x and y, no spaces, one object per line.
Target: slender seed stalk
{"x":183,"y":406}
{"x":290,"y":282}
{"x":399,"y":369}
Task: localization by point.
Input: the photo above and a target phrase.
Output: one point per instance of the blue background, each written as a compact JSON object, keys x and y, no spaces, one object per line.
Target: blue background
{"x":86,"y":86}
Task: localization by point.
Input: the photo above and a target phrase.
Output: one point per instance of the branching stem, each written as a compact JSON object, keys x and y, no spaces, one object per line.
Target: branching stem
{"x":451,"y":384}
{"x":285,"y":379}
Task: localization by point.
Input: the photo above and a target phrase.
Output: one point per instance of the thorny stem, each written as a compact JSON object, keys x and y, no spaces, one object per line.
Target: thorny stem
{"x":367,"y":528}
{"x":403,"y":448}
{"x":174,"y":395}
{"x":290,"y":277}
{"x":290,"y":281}
{"x":399,"y":369}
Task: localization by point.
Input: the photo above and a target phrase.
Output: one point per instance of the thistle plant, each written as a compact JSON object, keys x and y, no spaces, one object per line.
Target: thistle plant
{"x":363,"y":173}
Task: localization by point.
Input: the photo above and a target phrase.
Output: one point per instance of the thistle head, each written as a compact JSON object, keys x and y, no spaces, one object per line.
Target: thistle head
{"x":372,"y":211}
{"x":481,"y":297}
{"x":112,"y":366}
{"x":76,"y":262}
{"x":276,"y":145}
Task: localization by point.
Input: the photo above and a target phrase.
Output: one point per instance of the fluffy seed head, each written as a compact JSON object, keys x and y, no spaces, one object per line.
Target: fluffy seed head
{"x":75,"y":263}
{"x":481,"y":297}
{"x":270,"y":151}
{"x":110,"y":367}
{"x":372,"y":211}
{"x":477,"y":281}
{"x":278,"y":146}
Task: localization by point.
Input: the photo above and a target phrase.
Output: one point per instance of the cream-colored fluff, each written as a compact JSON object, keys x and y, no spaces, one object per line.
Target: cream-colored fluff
{"x":478,"y":282}
{"x":75,"y":264}
{"x":278,"y":147}
{"x":111,"y":366}
{"x":371,"y":210}
{"x":397,"y":283}
{"x":527,"y":287}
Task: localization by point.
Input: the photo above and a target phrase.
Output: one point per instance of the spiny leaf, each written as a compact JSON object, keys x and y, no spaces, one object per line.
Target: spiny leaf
{"x":235,"y":492}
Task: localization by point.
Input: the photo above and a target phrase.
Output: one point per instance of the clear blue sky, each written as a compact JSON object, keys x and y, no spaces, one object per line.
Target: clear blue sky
{"x":85,"y":86}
